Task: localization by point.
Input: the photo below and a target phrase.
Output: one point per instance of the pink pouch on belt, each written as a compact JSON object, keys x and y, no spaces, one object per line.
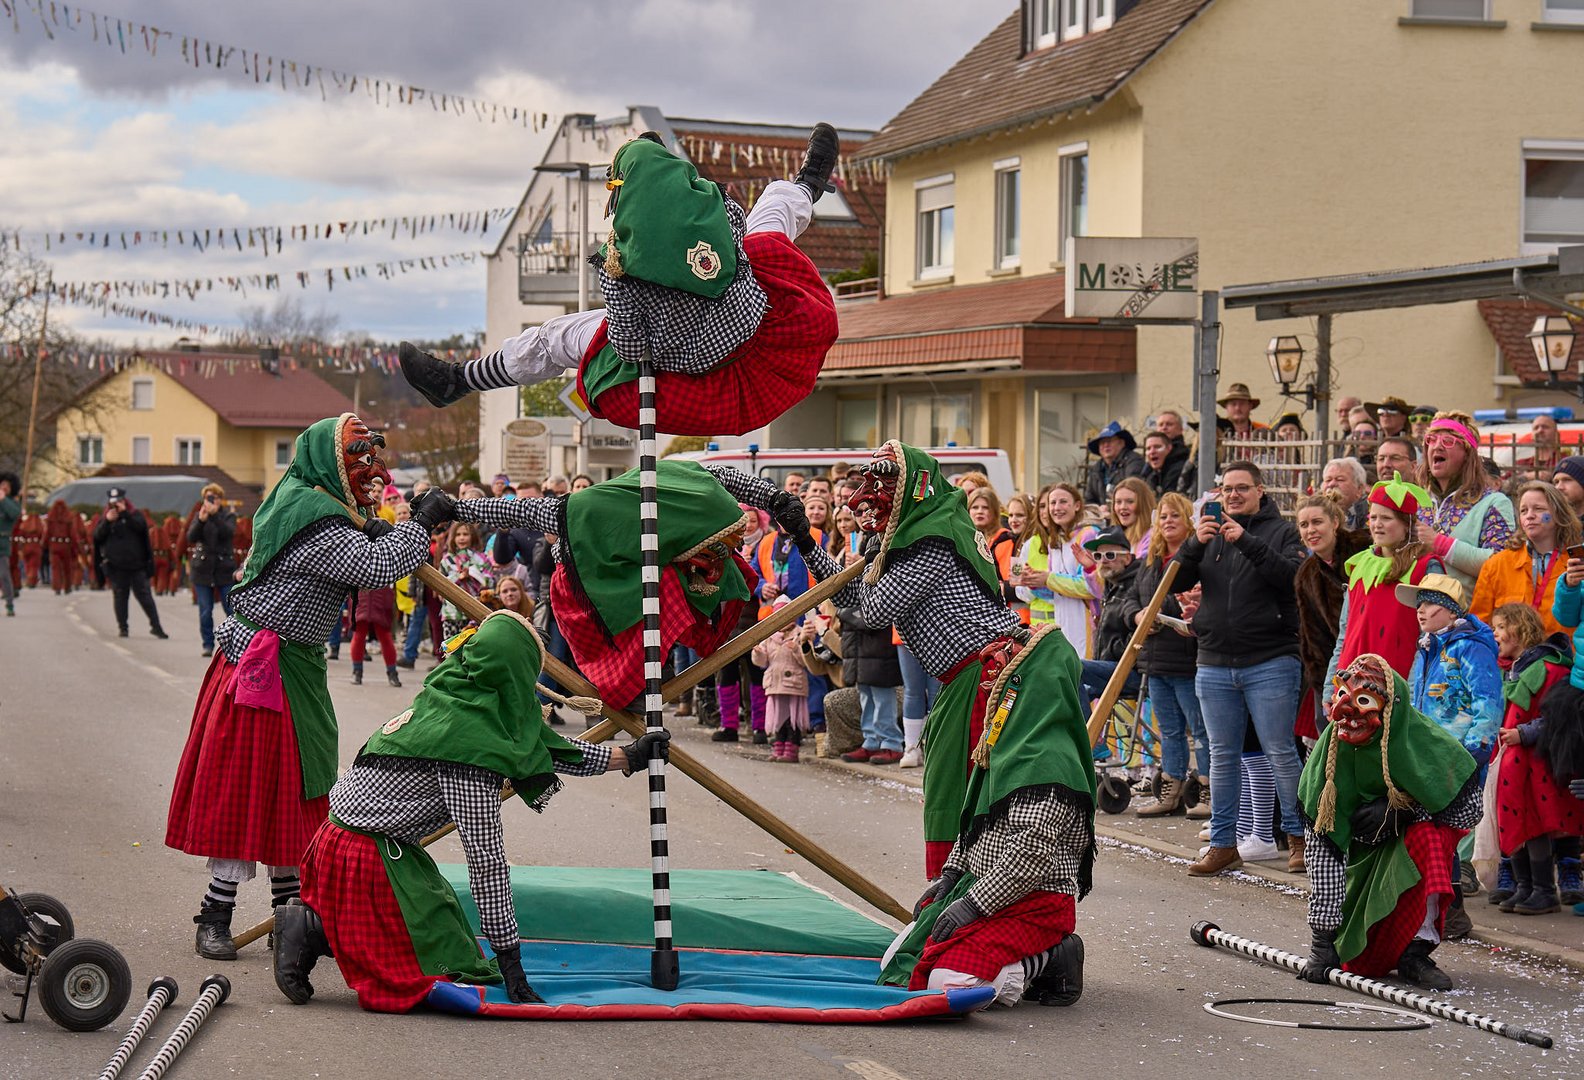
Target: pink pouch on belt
{"x":258,"y":681}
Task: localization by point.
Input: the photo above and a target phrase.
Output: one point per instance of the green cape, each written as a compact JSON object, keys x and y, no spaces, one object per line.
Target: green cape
{"x":601,"y":548}
{"x":478,"y":708}
{"x":927,"y":507}
{"x":1426,"y":763}
{"x":669,"y":226}
{"x":294,"y":503}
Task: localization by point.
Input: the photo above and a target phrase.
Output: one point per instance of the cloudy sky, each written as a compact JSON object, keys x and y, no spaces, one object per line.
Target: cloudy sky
{"x":99,"y":140}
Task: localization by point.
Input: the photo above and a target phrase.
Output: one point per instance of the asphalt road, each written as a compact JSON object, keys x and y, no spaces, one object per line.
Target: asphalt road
{"x":90,"y":731}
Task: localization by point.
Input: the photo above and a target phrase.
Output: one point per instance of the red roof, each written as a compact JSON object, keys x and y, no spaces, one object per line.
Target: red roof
{"x":1510,"y":322}
{"x":244,"y":394}
{"x":1019,"y":320}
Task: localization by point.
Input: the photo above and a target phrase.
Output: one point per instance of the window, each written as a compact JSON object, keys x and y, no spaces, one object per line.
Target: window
{"x":936,"y":419}
{"x":1042,"y":23}
{"x":936,"y":214}
{"x":1073,"y":18}
{"x":189,"y":451}
{"x":1100,"y":13}
{"x":1074,"y":193}
{"x":283,"y":453}
{"x":1553,"y":205}
{"x":1563,"y":11}
{"x":1065,"y":419}
{"x":142,"y":393}
{"x":833,"y":207}
{"x":1008,"y":185}
{"x":90,"y":449}
{"x":1449,"y":9}
{"x":142,"y":450}
{"x":857,"y":422}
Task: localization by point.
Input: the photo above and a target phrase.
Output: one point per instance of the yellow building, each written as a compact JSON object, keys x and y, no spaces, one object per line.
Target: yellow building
{"x":1293,"y":138}
{"x":194,"y":410}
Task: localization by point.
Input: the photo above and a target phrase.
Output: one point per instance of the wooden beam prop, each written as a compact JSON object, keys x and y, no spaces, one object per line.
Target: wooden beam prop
{"x":1107,"y":701}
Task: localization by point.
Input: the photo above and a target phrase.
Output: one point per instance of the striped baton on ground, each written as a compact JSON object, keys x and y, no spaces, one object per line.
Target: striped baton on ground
{"x":663,"y":961}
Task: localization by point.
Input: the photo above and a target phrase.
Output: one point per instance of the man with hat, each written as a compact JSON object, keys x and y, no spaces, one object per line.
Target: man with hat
{"x":1117,"y":457}
{"x":734,"y":344}
{"x":1390,"y":416}
{"x":1239,"y":403}
{"x":1420,"y":417}
{"x":1116,"y":567}
{"x":122,"y":546}
{"x":1569,"y":480}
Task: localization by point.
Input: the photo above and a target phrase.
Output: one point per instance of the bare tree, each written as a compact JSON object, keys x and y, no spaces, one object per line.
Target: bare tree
{"x":287,"y":322}
{"x":443,"y":441}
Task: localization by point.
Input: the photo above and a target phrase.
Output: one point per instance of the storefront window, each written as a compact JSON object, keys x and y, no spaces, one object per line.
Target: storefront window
{"x":1065,"y":419}
{"x":936,"y":419}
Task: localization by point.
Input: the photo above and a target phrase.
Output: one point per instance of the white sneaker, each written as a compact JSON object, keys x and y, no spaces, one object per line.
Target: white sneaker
{"x":912,"y":758}
{"x":1253,"y":849}
{"x":1204,"y":833}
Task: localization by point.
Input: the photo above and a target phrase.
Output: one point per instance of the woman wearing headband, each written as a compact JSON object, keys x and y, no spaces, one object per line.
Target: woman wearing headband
{"x":1468,"y":519}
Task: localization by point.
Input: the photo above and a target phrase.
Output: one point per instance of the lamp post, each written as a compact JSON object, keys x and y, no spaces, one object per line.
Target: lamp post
{"x":581,"y":170}
{"x":1553,"y":338}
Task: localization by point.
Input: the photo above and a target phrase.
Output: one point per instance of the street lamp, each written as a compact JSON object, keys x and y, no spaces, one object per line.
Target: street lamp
{"x":1286,"y":356}
{"x":1553,"y":337}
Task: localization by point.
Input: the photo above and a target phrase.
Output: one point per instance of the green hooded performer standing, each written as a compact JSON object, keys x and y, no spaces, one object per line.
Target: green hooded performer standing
{"x":261,"y":755}
{"x":1008,"y":780}
{"x":1386,"y":796}
{"x":371,"y":896}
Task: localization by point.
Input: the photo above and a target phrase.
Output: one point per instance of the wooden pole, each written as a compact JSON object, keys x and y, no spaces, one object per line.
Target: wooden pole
{"x":38,"y":370}
{"x":1107,"y":701}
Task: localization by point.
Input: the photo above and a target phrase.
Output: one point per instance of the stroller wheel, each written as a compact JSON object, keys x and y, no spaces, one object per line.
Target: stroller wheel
{"x":1113,"y":793}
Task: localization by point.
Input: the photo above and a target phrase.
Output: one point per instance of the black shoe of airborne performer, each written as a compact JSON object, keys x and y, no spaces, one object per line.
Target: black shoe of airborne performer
{"x":820,"y":161}
{"x":1061,"y":983}
{"x":440,"y":383}
{"x":213,"y":940}
{"x":299,"y":943}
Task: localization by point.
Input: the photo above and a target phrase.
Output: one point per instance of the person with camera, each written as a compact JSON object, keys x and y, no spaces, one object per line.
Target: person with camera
{"x":126,"y":559}
{"x":211,"y":562}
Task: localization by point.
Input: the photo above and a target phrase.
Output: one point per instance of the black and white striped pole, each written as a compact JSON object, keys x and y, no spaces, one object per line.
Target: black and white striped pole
{"x":215,"y":989}
{"x":1212,"y":936}
{"x":663,"y":971}
{"x":161,"y":993}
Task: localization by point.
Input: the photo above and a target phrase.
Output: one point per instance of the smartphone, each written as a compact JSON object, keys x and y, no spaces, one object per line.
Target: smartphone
{"x":1212,"y":510}
{"x":1576,"y":551}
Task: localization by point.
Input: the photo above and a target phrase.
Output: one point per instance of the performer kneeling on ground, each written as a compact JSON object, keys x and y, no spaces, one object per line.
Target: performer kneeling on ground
{"x":1386,"y":796}
{"x":371,"y":896}
{"x":261,"y":755}
{"x":734,"y":345}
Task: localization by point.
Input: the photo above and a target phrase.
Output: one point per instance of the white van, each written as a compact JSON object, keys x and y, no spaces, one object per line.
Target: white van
{"x":774,"y":465}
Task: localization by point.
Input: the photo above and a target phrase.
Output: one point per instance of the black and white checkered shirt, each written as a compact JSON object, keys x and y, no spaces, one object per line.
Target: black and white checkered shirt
{"x":301,"y":594}
{"x":683,"y":331}
{"x":1036,"y":842}
{"x":1327,"y":866}
{"x":409,"y":798}
{"x":541,"y":515}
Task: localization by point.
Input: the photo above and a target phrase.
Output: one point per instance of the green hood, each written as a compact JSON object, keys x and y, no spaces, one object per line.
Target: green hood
{"x":669,"y":226}
{"x":927,"y":507}
{"x":294,"y":503}
{"x":479,"y":708}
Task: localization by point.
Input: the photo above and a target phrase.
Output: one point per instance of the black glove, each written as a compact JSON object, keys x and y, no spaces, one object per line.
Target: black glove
{"x":647,"y":747}
{"x":433,"y":508}
{"x":937,"y":889}
{"x":376,"y":527}
{"x":517,"y":987}
{"x":958,"y":914}
{"x":1377,"y":823}
{"x":1322,"y":957}
{"x":787,"y":509}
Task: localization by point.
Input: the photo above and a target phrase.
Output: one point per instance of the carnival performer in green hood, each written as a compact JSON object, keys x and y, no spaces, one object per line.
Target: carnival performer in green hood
{"x":1386,"y":796}
{"x":371,"y":896}
{"x":261,"y":755}
{"x":735,"y":317}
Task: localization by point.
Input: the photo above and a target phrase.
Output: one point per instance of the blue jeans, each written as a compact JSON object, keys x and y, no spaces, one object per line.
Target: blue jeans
{"x":417,"y":627}
{"x":879,"y":718}
{"x":1096,"y":673}
{"x":1177,"y":712}
{"x":918,"y":688}
{"x":207,"y":595}
{"x":1229,"y":697}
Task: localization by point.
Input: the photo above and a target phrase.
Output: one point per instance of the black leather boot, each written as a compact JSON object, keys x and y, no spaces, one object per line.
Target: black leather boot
{"x":823,"y":149}
{"x":1061,"y":983}
{"x":214,"y":932}
{"x":391,"y":676}
{"x":357,"y":674}
{"x":1417,"y":967}
{"x":299,"y":943}
{"x":440,"y":383}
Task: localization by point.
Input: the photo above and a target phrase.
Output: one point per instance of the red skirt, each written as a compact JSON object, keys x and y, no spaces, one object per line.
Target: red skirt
{"x":1529,"y":801}
{"x":1035,"y":923}
{"x":238,"y":789}
{"x":773,"y":371}
{"x":344,"y":881}
{"x":1432,"y":847}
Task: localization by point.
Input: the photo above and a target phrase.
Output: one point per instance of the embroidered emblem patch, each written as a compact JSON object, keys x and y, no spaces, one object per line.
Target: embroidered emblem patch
{"x":396,"y":723}
{"x":703,"y":261}
{"x":921,"y":486}
{"x":984,"y":547}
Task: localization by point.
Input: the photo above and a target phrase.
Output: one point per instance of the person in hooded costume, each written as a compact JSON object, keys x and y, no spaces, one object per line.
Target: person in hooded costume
{"x":1386,"y":796}
{"x":261,"y":755}
{"x":597,"y":588}
{"x":735,"y":317}
{"x":371,"y":895}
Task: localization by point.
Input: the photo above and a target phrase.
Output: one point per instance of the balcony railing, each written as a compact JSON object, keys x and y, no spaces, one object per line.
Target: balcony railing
{"x":860,"y":289}
{"x":558,"y":255}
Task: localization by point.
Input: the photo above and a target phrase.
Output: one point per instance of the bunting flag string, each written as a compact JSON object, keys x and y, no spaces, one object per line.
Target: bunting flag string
{"x":126,"y":36}
{"x":260,"y":238}
{"x":192,"y":288}
{"x":381,"y":358}
{"x":770,"y":162}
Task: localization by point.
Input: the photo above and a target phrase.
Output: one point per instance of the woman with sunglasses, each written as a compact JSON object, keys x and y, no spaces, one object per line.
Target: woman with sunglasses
{"x":1468,"y":518}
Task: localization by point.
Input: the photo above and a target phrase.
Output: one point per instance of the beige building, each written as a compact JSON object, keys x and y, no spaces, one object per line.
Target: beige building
{"x":1293,"y":138}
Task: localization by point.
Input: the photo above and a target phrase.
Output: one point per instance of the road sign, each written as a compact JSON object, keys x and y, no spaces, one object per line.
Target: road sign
{"x":574,"y":402}
{"x":1144,"y":279}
